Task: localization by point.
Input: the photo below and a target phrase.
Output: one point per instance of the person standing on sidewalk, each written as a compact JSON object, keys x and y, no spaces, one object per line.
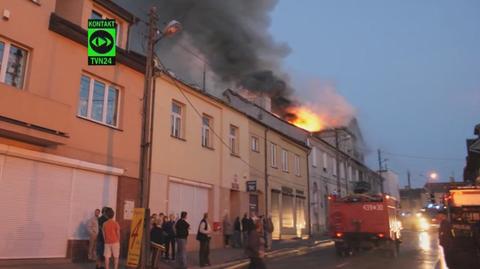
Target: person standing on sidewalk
{"x":268,"y":229}
{"x":111,"y":233}
{"x":181,"y":228}
{"x":100,"y":239}
{"x":237,"y":233}
{"x":157,"y":236}
{"x":92,"y":227}
{"x":203,"y":235}
{"x":227,"y":231}
{"x":169,"y":228}
{"x":245,"y":228}
{"x":255,"y":247}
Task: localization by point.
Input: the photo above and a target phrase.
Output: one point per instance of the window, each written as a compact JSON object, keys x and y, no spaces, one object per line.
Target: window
{"x":206,"y":132}
{"x":13,"y":62}
{"x":176,"y":118}
{"x":233,"y":139}
{"x":96,"y":15}
{"x":98,"y":101}
{"x":99,"y":16}
{"x":288,"y":214}
{"x":273,"y":154}
{"x":314,"y":157}
{"x":325,"y":162}
{"x":254,"y":141}
{"x":297,"y":165}
{"x":284,"y":160}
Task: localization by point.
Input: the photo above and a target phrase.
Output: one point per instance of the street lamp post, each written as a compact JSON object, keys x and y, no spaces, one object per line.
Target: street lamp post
{"x":154,"y":35}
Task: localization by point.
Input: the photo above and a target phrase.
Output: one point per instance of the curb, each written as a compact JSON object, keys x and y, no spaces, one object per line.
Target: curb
{"x":276,"y":254}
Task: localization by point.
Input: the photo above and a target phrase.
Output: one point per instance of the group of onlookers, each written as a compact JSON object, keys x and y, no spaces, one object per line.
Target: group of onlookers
{"x":253,"y":233}
{"x":104,"y":234}
{"x":236,"y":235}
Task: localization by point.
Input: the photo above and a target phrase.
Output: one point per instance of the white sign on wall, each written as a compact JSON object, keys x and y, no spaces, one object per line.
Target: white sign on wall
{"x":128,"y":207}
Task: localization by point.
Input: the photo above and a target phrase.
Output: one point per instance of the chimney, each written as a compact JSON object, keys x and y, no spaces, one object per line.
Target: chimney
{"x":260,"y":99}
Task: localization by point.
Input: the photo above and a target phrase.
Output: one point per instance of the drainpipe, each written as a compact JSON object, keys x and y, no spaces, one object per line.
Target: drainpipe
{"x":309,"y":219}
{"x":337,"y":168}
{"x":266,"y":171}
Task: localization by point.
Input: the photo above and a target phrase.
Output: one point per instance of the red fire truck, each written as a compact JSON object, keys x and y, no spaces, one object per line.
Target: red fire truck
{"x":363,"y":221}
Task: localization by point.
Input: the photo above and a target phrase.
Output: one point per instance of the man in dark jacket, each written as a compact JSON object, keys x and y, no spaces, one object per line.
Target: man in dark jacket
{"x":237,"y":233}
{"x":181,"y":228}
{"x":245,"y":228}
{"x":169,"y":228}
{"x":100,"y":240}
{"x":254,"y":247}
{"x":204,"y":236}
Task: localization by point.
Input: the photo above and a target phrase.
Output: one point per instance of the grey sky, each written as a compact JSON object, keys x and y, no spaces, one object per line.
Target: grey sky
{"x":411,"y":68}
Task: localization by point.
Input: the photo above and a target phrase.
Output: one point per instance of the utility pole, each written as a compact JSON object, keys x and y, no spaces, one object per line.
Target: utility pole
{"x":204,"y":78}
{"x":337,"y":158}
{"x":380,"y":169}
{"x":409,"y":191}
{"x":409,"y":180}
{"x":146,"y":144}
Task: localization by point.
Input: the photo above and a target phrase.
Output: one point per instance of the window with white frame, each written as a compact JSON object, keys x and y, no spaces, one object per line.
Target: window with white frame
{"x":284,"y":160}
{"x":99,"y":101}
{"x":273,"y":154}
{"x":325,"y":161}
{"x":297,"y":165}
{"x":233,"y":139}
{"x":255,"y":146}
{"x":96,"y":15}
{"x":207,"y":122}
{"x":314,"y":156}
{"x":13,"y":63}
{"x":176,"y":119}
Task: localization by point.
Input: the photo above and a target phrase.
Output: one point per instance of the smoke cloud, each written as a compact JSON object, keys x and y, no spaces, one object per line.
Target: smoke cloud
{"x":233,"y":37}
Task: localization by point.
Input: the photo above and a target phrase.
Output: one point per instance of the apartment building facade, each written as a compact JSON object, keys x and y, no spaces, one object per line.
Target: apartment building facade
{"x":69,"y":132}
{"x":335,"y":165}
{"x":278,"y":168}
{"x":199,"y":157}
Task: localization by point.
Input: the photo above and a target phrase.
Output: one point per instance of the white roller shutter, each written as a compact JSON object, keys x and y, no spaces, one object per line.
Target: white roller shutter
{"x":192,"y":199}
{"x":90,"y":191}
{"x":34,"y":201}
{"x":43,"y":205}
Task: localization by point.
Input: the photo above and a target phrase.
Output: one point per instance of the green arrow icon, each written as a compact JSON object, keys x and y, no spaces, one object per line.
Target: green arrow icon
{"x":98,"y":41}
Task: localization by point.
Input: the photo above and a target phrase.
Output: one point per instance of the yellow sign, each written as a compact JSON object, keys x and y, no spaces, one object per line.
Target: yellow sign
{"x":135,"y":241}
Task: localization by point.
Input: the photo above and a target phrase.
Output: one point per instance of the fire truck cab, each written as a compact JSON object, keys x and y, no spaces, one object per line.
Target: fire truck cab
{"x":460,"y":232}
{"x":362,"y":221}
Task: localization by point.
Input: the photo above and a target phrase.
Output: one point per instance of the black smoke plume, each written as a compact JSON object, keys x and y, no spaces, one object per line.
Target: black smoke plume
{"x":233,"y":36}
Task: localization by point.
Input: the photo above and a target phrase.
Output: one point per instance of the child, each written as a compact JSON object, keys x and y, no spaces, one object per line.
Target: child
{"x":111,"y":233}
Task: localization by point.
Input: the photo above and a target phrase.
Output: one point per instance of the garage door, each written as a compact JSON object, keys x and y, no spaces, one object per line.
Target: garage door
{"x":192,"y":199}
{"x":43,"y":205}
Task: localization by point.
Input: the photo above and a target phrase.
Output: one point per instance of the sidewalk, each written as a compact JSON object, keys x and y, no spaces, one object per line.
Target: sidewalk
{"x":219,"y":258}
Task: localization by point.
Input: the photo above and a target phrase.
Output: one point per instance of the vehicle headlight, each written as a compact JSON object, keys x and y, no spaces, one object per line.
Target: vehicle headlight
{"x":423,"y":224}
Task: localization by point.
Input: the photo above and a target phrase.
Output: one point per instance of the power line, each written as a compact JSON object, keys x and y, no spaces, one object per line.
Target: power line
{"x":175,"y":82}
{"x":421,"y":157}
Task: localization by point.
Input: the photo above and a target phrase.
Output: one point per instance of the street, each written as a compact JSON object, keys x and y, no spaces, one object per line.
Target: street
{"x":419,"y":250}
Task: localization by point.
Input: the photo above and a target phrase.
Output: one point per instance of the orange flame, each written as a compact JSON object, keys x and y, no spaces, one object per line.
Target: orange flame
{"x":307,"y":119}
